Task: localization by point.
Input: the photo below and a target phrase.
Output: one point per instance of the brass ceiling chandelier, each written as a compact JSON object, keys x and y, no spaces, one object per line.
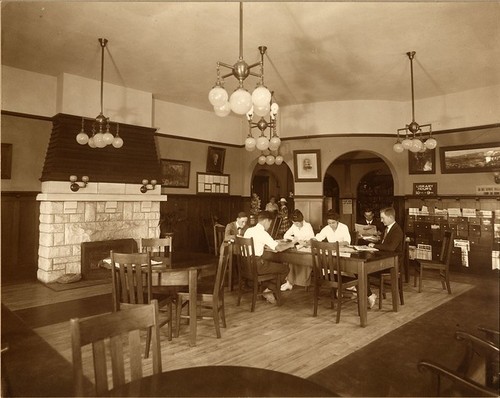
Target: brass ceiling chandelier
{"x":413,"y":132}
{"x":101,"y":138}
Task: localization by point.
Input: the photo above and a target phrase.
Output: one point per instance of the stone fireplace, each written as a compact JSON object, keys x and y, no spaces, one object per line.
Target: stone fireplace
{"x":100,"y":212}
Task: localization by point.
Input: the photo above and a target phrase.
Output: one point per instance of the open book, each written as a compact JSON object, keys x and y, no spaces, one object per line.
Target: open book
{"x":365,"y":248}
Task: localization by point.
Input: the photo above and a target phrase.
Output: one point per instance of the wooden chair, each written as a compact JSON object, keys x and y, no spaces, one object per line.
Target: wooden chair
{"x":158,"y":246}
{"x":275,"y":227}
{"x":98,"y":330}
{"x":209,"y":297}
{"x":442,"y":264}
{"x":131,"y":277}
{"x":327,"y":273}
{"x":247,"y":271}
{"x":384,"y":278}
{"x":476,"y":375}
{"x":219,"y":232}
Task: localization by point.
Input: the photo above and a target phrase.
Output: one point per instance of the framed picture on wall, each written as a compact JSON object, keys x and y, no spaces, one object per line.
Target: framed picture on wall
{"x":175,"y":173}
{"x":422,"y":162}
{"x":475,"y":158}
{"x":6,"y":161}
{"x":215,"y":159}
{"x":307,"y":165}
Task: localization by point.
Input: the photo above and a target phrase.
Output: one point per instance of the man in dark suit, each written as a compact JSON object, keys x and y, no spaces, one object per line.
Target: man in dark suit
{"x":370,"y":219}
{"x":236,"y":228}
{"x":392,"y":239}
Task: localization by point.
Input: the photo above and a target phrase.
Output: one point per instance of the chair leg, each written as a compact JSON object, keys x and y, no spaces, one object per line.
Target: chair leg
{"x":315,"y":300}
{"x":339,"y":305}
{"x":447,"y":279}
{"x":178,"y":316}
{"x":215,"y":311}
{"x":254,"y":295}
{"x":420,"y":273}
{"x":415,"y":272}
{"x":223,"y":313}
{"x":230,"y":274}
{"x":240,"y":289}
{"x":170,"y":320}
{"x":400,"y":285}
{"x":381,"y":293}
{"x":278,"y":290}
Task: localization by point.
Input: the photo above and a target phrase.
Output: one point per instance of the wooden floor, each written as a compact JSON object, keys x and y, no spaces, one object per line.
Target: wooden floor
{"x":285,"y":338}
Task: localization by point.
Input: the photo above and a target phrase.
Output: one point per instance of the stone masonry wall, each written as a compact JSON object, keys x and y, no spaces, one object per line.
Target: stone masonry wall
{"x":65,"y":225}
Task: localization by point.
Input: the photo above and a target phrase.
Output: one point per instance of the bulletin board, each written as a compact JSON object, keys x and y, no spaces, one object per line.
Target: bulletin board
{"x":212,"y":184}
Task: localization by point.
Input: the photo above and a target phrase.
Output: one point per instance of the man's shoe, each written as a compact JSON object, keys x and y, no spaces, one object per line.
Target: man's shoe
{"x":286,"y":286}
{"x":269,"y":296}
{"x":371,"y":300}
{"x":352,"y":288}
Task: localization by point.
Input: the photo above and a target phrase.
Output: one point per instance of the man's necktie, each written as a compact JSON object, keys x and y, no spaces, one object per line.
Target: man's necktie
{"x":385,"y":234}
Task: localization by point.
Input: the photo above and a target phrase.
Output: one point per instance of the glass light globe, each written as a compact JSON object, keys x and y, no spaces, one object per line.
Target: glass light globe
{"x":241,"y":101}
{"x":117,"y":142}
{"x":223,"y":110}
{"x":218,"y":96}
{"x":250,"y":143}
{"x":279,"y":160}
{"x":416,"y":145}
{"x":91,"y":142}
{"x":99,"y":140}
{"x":430,"y":143}
{"x":406,"y":143}
{"x":261,"y":110}
{"x":261,"y":96}
{"x":398,"y":147}
{"x":270,"y":160}
{"x":274,"y":108}
{"x":262,"y":143}
{"x":274,"y":143}
{"x":108,"y":138}
{"x":262,"y":159}
{"x":423,"y":149}
{"x":82,"y":138}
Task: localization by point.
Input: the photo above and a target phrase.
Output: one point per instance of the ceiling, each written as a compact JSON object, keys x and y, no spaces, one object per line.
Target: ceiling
{"x":317,"y":51}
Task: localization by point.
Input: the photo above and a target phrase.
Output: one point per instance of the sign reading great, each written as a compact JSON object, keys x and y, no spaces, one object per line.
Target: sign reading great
{"x":425,"y":188}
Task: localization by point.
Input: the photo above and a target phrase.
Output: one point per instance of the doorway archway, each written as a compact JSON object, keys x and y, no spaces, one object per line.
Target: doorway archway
{"x":275,"y":181}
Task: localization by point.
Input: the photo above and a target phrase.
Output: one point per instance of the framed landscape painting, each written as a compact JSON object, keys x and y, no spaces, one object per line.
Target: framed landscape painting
{"x":175,"y":173}
{"x":307,"y":165}
{"x":474,"y":158}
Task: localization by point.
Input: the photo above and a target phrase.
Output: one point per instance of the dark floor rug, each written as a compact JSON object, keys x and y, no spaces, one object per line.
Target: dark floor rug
{"x":388,"y":366}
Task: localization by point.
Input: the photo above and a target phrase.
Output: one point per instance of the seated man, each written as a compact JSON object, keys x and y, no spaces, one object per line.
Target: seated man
{"x":236,"y":228}
{"x":374,"y":227}
{"x":261,"y":238}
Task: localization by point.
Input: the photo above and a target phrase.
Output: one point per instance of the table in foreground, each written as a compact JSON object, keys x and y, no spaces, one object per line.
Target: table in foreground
{"x":222,"y":381}
{"x":360,"y":263}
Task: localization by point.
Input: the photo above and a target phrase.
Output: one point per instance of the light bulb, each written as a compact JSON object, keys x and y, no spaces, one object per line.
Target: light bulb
{"x":261,"y":110}
{"x":91,"y":142}
{"x":108,"y":138}
{"x":270,"y":160}
{"x":274,"y":108}
{"x":279,"y":160}
{"x":398,"y":147}
{"x":262,"y":143}
{"x":406,"y":143}
{"x":274,"y":143}
{"x":261,"y":96}
{"x":241,"y":101}
{"x":262,"y":159}
{"x":430,"y":143}
{"x":218,"y":96}
{"x":223,"y":110}
{"x":117,"y":142}
{"x":416,"y":145}
{"x":99,"y":140}
{"x":82,"y":138}
{"x":250,"y":143}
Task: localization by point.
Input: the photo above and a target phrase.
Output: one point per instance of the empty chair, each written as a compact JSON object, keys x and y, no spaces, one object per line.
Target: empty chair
{"x":109,"y":329}
{"x":442,"y":264}
{"x":476,"y":375}
{"x":275,"y":227}
{"x":327,"y":273}
{"x":247,"y":271}
{"x":157,"y":246}
{"x":210,"y":296}
{"x":131,"y":277}
{"x":219,"y":231}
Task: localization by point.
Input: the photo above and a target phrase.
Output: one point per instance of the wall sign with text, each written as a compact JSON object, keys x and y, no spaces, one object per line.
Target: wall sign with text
{"x":425,"y":188}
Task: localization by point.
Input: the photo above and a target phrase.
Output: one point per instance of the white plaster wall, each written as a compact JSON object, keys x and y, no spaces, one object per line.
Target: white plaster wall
{"x":183,"y":121}
{"x":81,"y":96}
{"x":28,"y":92}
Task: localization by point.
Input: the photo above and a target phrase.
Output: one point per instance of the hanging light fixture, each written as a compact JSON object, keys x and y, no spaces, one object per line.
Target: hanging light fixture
{"x":413,"y":132}
{"x":101,"y":138}
{"x":240,"y":101}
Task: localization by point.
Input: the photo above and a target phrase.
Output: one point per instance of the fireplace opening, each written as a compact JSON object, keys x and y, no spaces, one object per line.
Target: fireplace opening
{"x":92,"y":253}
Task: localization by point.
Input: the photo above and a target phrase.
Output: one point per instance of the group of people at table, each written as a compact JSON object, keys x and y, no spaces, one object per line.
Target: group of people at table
{"x":388,"y":237}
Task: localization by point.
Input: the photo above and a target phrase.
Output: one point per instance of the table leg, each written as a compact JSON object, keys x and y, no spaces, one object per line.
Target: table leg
{"x":395,"y":285}
{"x":193,"y":287}
{"x":362,"y":291}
